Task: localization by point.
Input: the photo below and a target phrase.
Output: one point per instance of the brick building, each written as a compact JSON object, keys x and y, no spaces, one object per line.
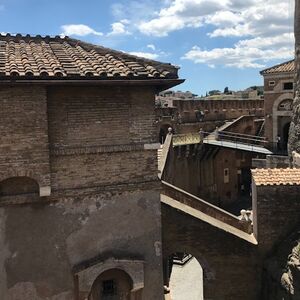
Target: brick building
{"x":186,"y":116}
{"x":79,"y":193}
{"x":278,"y":95}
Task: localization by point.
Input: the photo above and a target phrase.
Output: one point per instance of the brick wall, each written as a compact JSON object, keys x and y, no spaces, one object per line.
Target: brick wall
{"x":277,"y":211}
{"x":24,"y":133}
{"x":97,"y":136}
{"x":218,"y":109}
{"x":230,"y":265}
{"x":98,"y":116}
{"x":272,"y":93}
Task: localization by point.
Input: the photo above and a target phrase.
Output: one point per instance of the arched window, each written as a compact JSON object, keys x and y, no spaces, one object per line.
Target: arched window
{"x":113,"y":284}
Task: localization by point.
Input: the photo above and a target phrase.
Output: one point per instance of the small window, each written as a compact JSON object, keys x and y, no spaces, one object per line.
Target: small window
{"x":226,"y":175}
{"x":288,"y":86}
{"x":271,"y":83}
{"x":109,"y":287}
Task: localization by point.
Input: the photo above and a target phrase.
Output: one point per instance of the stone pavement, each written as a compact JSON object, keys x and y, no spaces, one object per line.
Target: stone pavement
{"x":186,"y":282}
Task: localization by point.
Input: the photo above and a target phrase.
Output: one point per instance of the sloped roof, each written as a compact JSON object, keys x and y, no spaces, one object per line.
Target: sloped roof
{"x":63,"y":57}
{"x":286,"y":67}
{"x":288,"y":176}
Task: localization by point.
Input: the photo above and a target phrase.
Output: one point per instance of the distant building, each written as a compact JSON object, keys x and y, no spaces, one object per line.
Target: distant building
{"x":278,"y":95}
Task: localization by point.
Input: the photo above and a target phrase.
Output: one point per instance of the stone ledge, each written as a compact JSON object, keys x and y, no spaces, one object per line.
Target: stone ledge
{"x":56,"y":151}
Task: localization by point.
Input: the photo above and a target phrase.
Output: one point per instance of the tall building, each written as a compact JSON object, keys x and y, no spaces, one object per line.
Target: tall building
{"x":79,"y":191}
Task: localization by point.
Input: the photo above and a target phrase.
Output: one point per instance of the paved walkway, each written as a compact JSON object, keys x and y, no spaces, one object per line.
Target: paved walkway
{"x":186,"y":283}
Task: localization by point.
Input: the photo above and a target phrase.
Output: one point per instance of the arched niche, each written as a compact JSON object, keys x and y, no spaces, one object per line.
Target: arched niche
{"x":19,"y":186}
{"x":89,"y":278}
{"x":282,"y":108}
{"x":110,"y":285}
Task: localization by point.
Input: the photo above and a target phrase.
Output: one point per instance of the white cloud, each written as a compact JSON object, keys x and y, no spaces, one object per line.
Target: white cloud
{"x":224,"y":18}
{"x":79,"y":30}
{"x":151,"y":46}
{"x":118,"y":28}
{"x":145,"y":55}
{"x":237,"y":56}
{"x":278,"y":41}
{"x":264,"y":27}
{"x":229,"y":17}
{"x":180,"y":14}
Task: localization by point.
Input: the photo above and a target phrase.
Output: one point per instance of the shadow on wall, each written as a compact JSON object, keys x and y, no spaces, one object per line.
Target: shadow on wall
{"x":18,"y":186}
{"x":163,"y":133}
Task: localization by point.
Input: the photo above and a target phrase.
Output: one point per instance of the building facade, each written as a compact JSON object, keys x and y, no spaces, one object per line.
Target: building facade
{"x":79,"y":193}
{"x":278,"y":94}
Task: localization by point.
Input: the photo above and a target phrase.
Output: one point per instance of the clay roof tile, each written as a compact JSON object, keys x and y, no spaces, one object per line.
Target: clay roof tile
{"x":288,"y":176}
{"x":56,"y":57}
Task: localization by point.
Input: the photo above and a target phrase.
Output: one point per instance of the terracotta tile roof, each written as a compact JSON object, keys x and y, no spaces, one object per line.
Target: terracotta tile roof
{"x":286,"y":67}
{"x":57,"y":57}
{"x":286,"y":176}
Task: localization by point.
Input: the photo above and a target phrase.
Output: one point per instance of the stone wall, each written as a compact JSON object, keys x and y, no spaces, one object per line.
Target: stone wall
{"x":182,"y":116}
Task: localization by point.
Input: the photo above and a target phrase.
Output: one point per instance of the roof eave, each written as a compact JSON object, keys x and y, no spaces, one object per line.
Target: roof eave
{"x":161,"y":84}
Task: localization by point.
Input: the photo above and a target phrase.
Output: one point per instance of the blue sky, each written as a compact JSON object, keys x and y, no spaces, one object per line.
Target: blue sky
{"x":216,"y":43}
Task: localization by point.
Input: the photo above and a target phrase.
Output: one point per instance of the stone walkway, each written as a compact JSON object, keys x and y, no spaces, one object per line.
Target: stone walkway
{"x":186,"y":283}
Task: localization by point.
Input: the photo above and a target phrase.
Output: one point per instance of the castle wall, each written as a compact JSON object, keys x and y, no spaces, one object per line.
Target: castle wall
{"x":104,"y":200}
{"x":201,"y":171}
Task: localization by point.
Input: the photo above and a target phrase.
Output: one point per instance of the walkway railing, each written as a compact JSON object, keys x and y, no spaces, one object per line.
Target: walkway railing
{"x":205,"y":207}
{"x":164,"y":154}
{"x":241,"y":138}
{"x":204,"y":136}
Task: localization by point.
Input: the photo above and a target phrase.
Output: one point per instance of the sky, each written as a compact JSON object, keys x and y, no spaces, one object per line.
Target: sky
{"x":216,"y":43}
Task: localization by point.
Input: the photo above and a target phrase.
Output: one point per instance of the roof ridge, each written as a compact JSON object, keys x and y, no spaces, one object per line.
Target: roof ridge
{"x":17,"y":36}
{"x":118,"y":52}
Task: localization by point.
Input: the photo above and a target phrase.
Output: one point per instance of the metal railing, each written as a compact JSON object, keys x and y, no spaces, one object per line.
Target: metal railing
{"x":241,"y":138}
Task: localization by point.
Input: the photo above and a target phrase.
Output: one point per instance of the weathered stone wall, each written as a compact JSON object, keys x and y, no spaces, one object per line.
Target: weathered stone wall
{"x":105,"y":193}
{"x":43,"y":243}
